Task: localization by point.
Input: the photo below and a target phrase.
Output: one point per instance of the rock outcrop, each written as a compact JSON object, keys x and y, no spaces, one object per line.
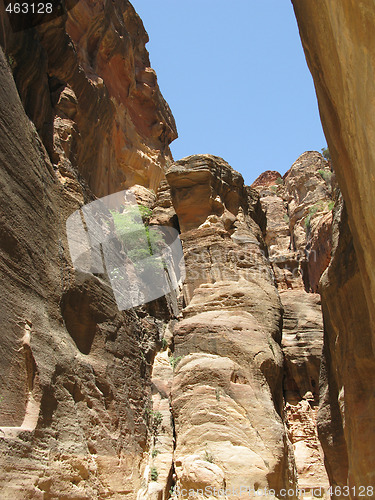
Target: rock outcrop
{"x":217,"y":386}
{"x":227,"y":388}
{"x":85,"y":81}
{"x":298,"y":237}
{"x":81,"y":115}
{"x":339,"y":43}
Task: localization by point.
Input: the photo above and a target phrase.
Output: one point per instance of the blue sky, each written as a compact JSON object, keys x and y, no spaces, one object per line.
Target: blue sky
{"x":235,"y":77}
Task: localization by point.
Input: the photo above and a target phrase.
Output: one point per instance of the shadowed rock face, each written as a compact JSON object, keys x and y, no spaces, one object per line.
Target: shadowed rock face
{"x":339,"y":43}
{"x":86,"y":83}
{"x":75,"y":378}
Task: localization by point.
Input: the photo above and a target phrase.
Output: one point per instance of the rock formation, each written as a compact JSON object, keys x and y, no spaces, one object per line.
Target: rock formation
{"x":85,"y":81}
{"x":339,"y":43}
{"x":297,"y":206}
{"x":217,"y":385}
{"x":75,"y":371}
{"x":226,"y":392}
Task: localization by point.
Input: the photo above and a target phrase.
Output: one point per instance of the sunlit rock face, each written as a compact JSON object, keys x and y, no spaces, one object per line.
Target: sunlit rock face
{"x":85,"y":81}
{"x":298,"y":206}
{"x":338,"y":39}
{"x":227,"y":386}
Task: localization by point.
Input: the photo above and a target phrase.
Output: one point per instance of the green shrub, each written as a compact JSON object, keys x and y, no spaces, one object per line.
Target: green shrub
{"x":325,"y":175}
{"x":164,"y":343}
{"x":155,"y":453}
{"x":279,"y":181}
{"x":174,"y":360}
{"x":273,"y":188}
{"x":286,"y":219}
{"x":312,"y":212}
{"x":156,"y":419}
{"x":11,"y":61}
{"x":331,"y":205}
{"x":154,"y":474}
{"x":138,"y":239}
{"x":326,"y":153}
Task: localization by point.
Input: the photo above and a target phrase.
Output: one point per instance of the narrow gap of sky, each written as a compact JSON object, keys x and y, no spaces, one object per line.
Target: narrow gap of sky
{"x":236,"y":79}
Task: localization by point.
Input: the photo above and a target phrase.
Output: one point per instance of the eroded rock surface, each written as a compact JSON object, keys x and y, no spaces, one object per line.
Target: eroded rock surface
{"x":85,"y":81}
{"x":297,"y":236}
{"x":226,"y":394}
{"x":75,"y":371}
{"x":339,"y":43}
{"x":100,"y":403}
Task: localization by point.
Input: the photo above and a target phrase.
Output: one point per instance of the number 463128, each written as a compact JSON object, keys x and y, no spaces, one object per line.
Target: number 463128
{"x":29,"y":8}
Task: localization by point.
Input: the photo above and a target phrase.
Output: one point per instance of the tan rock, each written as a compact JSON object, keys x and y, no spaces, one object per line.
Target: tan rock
{"x":226,"y":347}
{"x":302,"y":344}
{"x":338,"y":39}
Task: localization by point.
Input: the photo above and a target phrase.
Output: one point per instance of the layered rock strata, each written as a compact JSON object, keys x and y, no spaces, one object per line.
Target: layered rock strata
{"x":89,"y":408}
{"x":226,"y":394}
{"x":298,"y":205}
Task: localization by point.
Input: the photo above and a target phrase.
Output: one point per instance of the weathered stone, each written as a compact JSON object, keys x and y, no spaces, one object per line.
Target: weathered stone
{"x":75,"y":377}
{"x":339,"y":43}
{"x":302,"y":344}
{"x":298,"y":232}
{"x":85,"y":81}
{"x":226,"y":347}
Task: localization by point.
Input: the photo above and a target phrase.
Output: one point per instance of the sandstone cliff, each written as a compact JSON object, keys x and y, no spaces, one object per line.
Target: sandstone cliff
{"x":215,"y":386}
{"x":81,"y":115}
{"x":297,"y":207}
{"x":85,"y":81}
{"x":339,"y":43}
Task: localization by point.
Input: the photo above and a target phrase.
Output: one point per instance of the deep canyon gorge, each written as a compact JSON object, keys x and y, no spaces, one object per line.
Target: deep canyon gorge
{"x":258,"y":371}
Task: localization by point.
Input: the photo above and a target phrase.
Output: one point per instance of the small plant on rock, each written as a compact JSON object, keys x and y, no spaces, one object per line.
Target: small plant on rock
{"x":312,"y":212}
{"x":325,"y":175}
{"x":155,"y":453}
{"x":154,"y":474}
{"x":208,"y":457}
{"x":155,"y":421}
{"x":217,"y":393}
{"x":326,"y":154}
{"x":174,"y":360}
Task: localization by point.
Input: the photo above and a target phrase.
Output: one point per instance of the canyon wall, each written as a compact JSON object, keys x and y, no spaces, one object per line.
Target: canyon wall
{"x":238,"y":376}
{"x":85,"y":81}
{"x":216,"y":385}
{"x":81,"y":116}
{"x":298,"y":208}
{"x":339,"y":43}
